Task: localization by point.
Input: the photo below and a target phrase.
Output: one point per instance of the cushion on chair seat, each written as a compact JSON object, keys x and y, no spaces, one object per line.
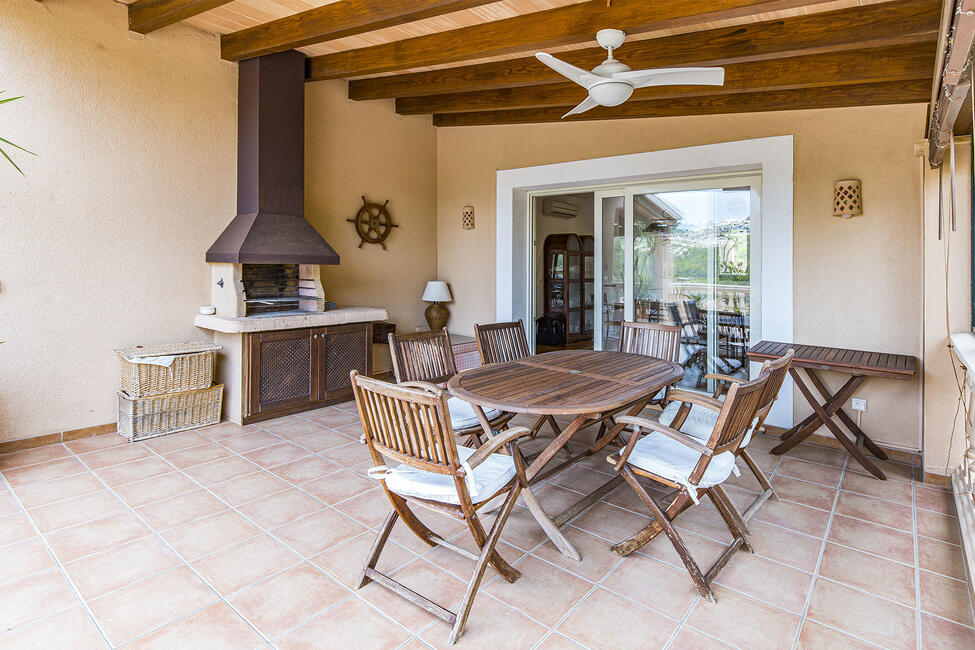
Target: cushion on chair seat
{"x":462,"y":414}
{"x":669,"y":459}
{"x":700,"y":421}
{"x":486,"y":479}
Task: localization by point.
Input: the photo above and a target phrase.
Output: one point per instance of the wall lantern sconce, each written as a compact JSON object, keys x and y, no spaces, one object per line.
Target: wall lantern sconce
{"x":847,"y":200}
{"x":467,"y":217}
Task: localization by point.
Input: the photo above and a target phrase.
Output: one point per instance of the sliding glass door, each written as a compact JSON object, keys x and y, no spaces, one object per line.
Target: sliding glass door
{"x":684,"y":253}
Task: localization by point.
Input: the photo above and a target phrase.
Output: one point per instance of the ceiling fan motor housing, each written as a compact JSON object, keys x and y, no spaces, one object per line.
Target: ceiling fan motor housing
{"x":611,"y":93}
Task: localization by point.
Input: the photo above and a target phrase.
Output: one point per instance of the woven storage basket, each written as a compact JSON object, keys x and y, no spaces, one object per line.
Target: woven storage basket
{"x":147,"y":417}
{"x":191,"y":369}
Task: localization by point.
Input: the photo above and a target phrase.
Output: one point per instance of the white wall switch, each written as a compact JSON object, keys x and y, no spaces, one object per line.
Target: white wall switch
{"x":858,"y":404}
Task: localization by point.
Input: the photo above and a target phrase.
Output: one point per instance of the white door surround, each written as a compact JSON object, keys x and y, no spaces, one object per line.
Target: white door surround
{"x":770,"y":157}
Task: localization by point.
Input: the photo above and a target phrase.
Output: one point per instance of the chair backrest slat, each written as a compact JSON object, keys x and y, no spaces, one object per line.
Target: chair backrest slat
{"x":423,"y":356}
{"x":651,"y":339}
{"x":777,"y":371}
{"x":500,"y":342}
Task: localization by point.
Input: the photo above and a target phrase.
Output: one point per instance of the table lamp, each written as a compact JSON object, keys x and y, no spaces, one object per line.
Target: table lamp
{"x":436,"y":314}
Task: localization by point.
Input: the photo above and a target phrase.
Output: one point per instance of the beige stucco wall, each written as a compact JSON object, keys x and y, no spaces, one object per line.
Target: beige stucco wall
{"x":363,"y":148}
{"x":102,"y":241}
{"x":857,"y":282}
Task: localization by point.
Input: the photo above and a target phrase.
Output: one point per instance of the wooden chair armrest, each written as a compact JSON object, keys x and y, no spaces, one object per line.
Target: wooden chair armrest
{"x":695,"y":398}
{"x":495,"y":443}
{"x":725,"y":378}
{"x":422,"y":385}
{"x":643,"y":423}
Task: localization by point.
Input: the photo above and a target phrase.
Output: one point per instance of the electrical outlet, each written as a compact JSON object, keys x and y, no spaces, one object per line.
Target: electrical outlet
{"x":858,"y":404}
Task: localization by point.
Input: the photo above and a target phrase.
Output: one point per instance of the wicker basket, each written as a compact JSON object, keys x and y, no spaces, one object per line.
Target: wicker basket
{"x":147,"y":417}
{"x":191,"y":369}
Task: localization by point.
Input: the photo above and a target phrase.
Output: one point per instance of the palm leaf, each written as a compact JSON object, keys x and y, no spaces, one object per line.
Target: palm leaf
{"x":4,"y":153}
{"x":17,"y":146}
{"x":8,"y":142}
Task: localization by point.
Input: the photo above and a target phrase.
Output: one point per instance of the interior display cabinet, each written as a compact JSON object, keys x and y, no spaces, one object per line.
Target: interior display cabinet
{"x":569,"y":283}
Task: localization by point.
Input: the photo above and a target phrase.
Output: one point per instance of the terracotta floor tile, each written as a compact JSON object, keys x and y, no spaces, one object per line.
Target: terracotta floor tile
{"x":427,"y":580}
{"x":893,"y":471}
{"x":939,"y":634}
{"x":704,"y":551}
{"x":817,"y":454}
{"x":937,"y":526}
{"x":325,"y":440}
{"x":235,"y":567}
{"x":543,"y":592}
{"x":24,"y":558}
{"x":813,"y":472}
{"x":797,"y":517}
{"x":34,"y":597}
{"x":94,"y":443}
{"x":240,"y":490}
{"x":290,"y":427}
{"x":634,"y":626}
{"x":870,"y":573}
{"x":127,"y":613}
{"x":690,"y":639}
{"x":463,"y":567}
{"x":8,"y":504}
{"x":318,"y":531}
{"x":221,"y":470}
{"x":251,"y":442}
{"x":164,"y":486}
{"x":75,"y":511}
{"x":120,"y":566}
{"x":45,"y":471}
{"x":205,"y":536}
{"x":868,"y":617}
{"x":137,"y":470}
{"x":287,"y":600}
{"x":483,"y":632}
{"x":815,"y":636}
{"x":650,"y":583}
{"x":936,"y":500}
{"x":276,"y":454}
{"x":345,"y":560}
{"x":71,"y":629}
{"x":582,"y":480}
{"x":784,"y":545}
{"x":179,"y":510}
{"x":280,"y":508}
{"x":353,"y":430}
{"x":185,"y":458}
{"x":704,"y":520}
{"x":804,"y":492}
{"x":348,"y":455}
{"x":176,"y":441}
{"x":875,"y":511}
{"x":370,"y":509}
{"x":941,"y":557}
{"x":39,"y":494}
{"x":945,"y":597}
{"x":33,"y":456}
{"x":115,"y":455}
{"x":332,"y":419}
{"x":597,"y":560}
{"x":766,"y":580}
{"x":14,"y":528}
{"x":743,"y":621}
{"x":350,"y":624}
{"x":217,"y":627}
{"x":890,"y":490}
{"x":75,"y":542}
{"x":226,"y":429}
{"x":873,"y":538}
{"x":339,"y":486}
{"x":305,"y":469}
{"x":608,"y":522}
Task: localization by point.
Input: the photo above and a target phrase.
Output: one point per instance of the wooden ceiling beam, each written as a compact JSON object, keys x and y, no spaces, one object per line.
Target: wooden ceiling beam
{"x":149,"y":15}
{"x":903,"y":21}
{"x":898,"y":63}
{"x":331,"y":21}
{"x":872,"y":94}
{"x":576,"y":23}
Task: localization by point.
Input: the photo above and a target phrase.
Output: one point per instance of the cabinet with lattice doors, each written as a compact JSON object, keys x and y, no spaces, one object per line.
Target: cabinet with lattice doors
{"x":569,"y":283}
{"x":288,"y":371}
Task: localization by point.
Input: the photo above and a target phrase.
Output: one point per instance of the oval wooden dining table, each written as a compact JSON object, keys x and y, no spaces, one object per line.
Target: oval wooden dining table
{"x":589,"y":385}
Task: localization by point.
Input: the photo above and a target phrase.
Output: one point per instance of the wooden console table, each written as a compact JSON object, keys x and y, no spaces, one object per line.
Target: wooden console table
{"x":858,"y":365}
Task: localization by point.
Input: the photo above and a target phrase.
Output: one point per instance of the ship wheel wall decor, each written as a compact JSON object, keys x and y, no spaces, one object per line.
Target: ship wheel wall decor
{"x":373,"y":223}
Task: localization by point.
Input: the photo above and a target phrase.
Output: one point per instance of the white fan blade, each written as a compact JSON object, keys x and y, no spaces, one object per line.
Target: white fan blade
{"x":673,"y":77}
{"x":583,"y":106}
{"x":582,"y":77}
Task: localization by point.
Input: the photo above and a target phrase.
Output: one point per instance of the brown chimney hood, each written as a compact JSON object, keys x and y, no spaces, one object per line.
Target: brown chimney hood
{"x":270,"y":227}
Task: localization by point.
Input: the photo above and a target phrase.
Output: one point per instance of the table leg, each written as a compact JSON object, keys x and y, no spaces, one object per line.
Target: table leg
{"x":847,"y":420}
{"x":809,"y":426}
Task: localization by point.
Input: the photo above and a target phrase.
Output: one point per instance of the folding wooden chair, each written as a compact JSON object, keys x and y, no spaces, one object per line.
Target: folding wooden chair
{"x":410,"y":423}
{"x":698,"y":421}
{"x":502,"y":342}
{"x":671,"y":458}
{"x":428,"y":357}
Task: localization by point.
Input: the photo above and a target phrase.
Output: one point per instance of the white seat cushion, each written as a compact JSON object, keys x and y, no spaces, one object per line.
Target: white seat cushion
{"x":486,"y":479}
{"x":699,"y":423}
{"x":462,"y":414}
{"x":669,"y":459}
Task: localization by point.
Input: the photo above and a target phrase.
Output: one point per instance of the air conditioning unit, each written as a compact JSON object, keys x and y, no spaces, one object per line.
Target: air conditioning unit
{"x":553,"y":207}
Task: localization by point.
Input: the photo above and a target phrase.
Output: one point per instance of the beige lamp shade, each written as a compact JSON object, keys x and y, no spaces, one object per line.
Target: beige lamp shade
{"x":437,"y":291}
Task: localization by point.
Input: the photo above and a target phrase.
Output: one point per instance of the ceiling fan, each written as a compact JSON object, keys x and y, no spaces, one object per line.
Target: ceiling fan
{"x":611,"y":83}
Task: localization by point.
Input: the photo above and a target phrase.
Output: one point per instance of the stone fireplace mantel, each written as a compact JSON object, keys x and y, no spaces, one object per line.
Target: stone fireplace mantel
{"x":289,"y":320}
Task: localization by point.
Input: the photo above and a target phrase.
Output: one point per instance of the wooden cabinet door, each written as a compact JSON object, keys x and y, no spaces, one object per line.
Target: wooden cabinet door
{"x":342,"y":349}
{"x":282,"y":370}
